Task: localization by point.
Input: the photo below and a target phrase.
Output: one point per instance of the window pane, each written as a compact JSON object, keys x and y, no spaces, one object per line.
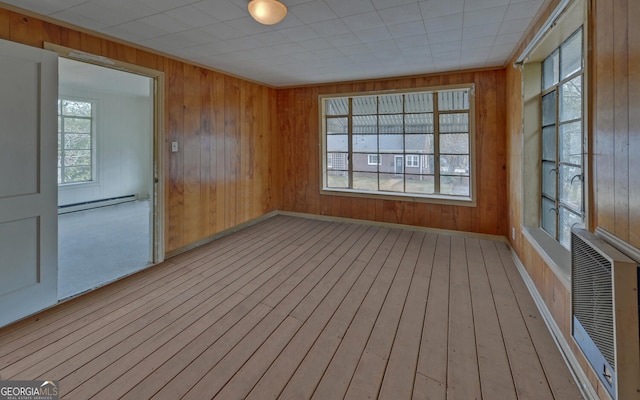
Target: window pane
{"x":337,"y":125}
{"x":77,"y":158}
{"x":571,"y":55}
{"x":391,"y":104}
{"x":419,"y":183}
{"x":549,"y":108}
{"x":77,"y":141}
{"x":392,"y":163}
{"x":365,"y":143}
{"x":453,"y":100}
{"x":392,"y":182}
{"x":337,"y":179}
{"x":338,"y":106}
{"x":364,"y":105}
{"x":418,"y":102}
{"x":418,"y":123}
{"x":77,"y":125}
{"x":391,"y":143}
{"x":454,"y":185}
{"x":391,"y":123}
{"x":571,"y":99}
{"x":549,"y":217}
{"x":418,"y":143}
{"x":77,"y":174}
{"x":337,"y":143}
{"x":454,"y":122}
{"x":549,"y":143}
{"x":454,"y":143}
{"x":550,"y":70}
{"x":76,"y":108}
{"x":567,"y":220}
{"x":365,"y":124}
{"x":454,"y":165}
{"x":365,"y":181}
{"x":571,"y":186}
{"x":337,"y":161}
{"x":571,"y":143}
{"x":549,"y":179}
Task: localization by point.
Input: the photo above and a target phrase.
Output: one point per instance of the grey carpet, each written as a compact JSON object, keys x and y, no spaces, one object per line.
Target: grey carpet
{"x":100,"y":245}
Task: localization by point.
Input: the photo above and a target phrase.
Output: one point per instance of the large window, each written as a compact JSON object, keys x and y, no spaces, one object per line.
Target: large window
{"x":75,"y":141}
{"x":416,"y":144}
{"x":562,"y":139}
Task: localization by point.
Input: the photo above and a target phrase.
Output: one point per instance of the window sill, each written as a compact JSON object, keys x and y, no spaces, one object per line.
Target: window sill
{"x":434,"y":199}
{"x":554,"y":254}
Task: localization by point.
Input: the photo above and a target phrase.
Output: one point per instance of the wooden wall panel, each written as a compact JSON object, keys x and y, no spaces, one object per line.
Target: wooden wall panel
{"x":223,"y":126}
{"x":298,"y":123}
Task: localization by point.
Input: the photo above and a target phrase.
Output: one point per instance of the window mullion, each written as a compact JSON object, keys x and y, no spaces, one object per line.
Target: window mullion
{"x":436,"y":144}
{"x":557,"y":199}
{"x":350,"y":155}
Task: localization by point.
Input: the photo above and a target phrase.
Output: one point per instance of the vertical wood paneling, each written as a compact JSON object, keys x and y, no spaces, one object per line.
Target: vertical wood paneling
{"x":298,"y":123}
{"x":621,"y":118}
{"x":5,"y":24}
{"x":633,"y":13}
{"x":174,"y":221}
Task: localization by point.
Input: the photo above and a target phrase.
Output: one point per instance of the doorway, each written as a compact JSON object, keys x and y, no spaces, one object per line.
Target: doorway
{"x":106,"y":190}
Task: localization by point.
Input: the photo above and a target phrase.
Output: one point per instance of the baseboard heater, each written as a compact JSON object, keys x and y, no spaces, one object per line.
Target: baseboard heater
{"x":86,"y":205}
{"x":605,"y":309}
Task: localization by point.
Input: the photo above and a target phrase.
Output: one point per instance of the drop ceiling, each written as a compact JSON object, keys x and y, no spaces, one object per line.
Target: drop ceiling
{"x":319,"y":40}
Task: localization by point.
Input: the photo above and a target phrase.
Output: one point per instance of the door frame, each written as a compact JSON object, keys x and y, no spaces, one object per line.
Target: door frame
{"x":158,"y":200}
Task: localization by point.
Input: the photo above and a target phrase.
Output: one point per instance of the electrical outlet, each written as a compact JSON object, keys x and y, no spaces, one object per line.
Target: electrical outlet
{"x":513,"y":233}
{"x":174,"y":147}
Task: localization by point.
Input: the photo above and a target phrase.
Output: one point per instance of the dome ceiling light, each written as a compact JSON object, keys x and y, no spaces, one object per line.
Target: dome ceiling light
{"x":267,"y":12}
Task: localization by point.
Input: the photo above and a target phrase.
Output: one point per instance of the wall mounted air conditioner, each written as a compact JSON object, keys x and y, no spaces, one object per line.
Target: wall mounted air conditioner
{"x":605,"y":308}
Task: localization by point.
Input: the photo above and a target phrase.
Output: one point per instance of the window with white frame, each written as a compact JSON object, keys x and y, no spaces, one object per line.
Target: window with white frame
{"x":562,"y":192}
{"x":378,"y":134}
{"x":75,"y":141}
{"x":413,"y":161}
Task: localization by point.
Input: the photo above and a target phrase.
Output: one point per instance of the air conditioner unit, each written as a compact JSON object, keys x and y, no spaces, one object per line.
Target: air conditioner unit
{"x":605,"y":311}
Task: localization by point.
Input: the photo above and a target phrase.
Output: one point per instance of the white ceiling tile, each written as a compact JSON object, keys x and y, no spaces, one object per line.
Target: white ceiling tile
{"x":298,"y":33}
{"x":318,"y":41}
{"x":480,"y":31}
{"x":522,"y":10}
{"x":314,"y":11}
{"x":472,"y":5}
{"x":493,"y":15}
{"x":363,"y":21}
{"x":397,"y":15}
{"x":449,"y":35}
{"x":407,"y":29}
{"x":222,"y":31}
{"x":412,"y":41}
{"x":315,"y":44}
{"x":332,"y":27}
{"x":191,"y":16}
{"x":165,"y":23}
{"x":373,"y":35}
{"x":221,"y":10}
{"x":444,"y":23}
{"x":439,"y":8}
{"x":345,"y":8}
{"x":382,"y":4}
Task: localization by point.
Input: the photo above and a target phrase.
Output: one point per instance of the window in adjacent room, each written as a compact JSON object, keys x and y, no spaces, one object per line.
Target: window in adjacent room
{"x":75,"y":141}
{"x":416,"y":144}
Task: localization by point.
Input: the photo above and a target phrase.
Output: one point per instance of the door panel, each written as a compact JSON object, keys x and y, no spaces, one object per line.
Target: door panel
{"x":28,"y":182}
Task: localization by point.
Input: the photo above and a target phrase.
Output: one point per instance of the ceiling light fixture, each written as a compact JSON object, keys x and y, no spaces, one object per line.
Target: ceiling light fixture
{"x":267,"y":12}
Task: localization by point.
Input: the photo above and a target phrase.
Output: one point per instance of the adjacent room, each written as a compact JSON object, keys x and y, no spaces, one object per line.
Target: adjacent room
{"x":321,"y":199}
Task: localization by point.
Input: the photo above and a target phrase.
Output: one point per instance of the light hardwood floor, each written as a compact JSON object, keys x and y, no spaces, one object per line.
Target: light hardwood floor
{"x":298,"y":308}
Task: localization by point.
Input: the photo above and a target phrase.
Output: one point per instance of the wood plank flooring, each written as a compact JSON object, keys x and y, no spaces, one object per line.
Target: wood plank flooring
{"x":298,"y":308}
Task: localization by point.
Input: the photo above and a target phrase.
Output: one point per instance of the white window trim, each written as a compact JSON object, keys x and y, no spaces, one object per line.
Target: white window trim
{"x":94,"y":142}
{"x":555,"y":255}
{"x":371,"y":156}
{"x":470,"y":201}
{"x":412,"y":160}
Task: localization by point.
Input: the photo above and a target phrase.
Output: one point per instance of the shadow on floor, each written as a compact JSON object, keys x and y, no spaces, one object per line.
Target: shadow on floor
{"x":100,"y":245}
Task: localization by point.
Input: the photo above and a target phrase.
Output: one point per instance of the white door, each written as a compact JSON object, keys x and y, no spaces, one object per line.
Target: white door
{"x":28,"y":184}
